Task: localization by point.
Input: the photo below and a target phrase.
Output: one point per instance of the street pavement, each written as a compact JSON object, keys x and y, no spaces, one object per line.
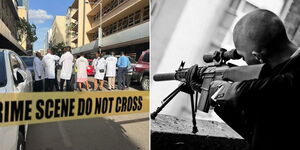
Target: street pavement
{"x":124,"y":132}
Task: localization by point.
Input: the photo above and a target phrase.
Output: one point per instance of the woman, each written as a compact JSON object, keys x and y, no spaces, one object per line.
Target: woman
{"x":82,"y":77}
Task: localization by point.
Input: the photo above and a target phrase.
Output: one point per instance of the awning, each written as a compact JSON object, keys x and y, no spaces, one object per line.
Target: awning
{"x":93,"y":46}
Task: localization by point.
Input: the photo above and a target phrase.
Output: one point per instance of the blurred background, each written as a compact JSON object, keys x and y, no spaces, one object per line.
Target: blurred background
{"x":186,"y":30}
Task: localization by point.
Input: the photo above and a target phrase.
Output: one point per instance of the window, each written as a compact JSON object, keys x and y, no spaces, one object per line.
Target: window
{"x":120,"y":24}
{"x":125,"y":23}
{"x":14,"y":63}
{"x":130,"y":20}
{"x":114,"y":27}
{"x":114,"y":4}
{"x":3,"y":79}
{"x":146,"y":13}
{"x":146,"y":57}
{"x":137,"y":17}
{"x":28,"y":60}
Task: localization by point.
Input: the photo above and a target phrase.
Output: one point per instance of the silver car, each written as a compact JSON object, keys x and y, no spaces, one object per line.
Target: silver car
{"x":15,"y":77}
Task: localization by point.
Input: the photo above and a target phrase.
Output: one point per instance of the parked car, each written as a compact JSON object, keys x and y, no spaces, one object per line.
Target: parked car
{"x":15,"y":77}
{"x":141,"y":70}
{"x":28,"y":60}
{"x":90,"y":69}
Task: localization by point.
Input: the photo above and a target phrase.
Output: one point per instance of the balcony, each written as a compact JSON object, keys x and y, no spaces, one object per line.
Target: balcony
{"x":74,"y":5}
{"x":118,"y":13}
{"x":134,"y":35}
{"x":75,"y":27}
{"x":75,"y":15}
{"x":131,"y":34}
{"x":75,"y":38}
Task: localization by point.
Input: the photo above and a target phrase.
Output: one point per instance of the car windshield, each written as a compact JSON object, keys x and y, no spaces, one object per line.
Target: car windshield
{"x":3,"y":79}
{"x":132,"y":60}
{"x":146,"y":57}
{"x":28,"y":61}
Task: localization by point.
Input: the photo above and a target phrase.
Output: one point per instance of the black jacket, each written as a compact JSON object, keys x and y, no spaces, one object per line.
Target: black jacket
{"x":265,"y":111}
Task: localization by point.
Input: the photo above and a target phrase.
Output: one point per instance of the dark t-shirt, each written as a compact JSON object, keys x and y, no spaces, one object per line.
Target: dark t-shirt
{"x":264,"y":110}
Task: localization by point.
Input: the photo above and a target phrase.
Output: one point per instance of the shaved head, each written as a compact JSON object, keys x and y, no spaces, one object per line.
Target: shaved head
{"x":259,"y":35}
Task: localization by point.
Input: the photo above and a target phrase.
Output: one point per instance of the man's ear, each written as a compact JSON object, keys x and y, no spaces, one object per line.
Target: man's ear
{"x":258,"y":56}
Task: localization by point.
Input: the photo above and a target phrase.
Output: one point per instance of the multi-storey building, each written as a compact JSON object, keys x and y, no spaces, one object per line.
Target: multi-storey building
{"x":123,"y":26}
{"x":48,"y":39}
{"x":70,"y":24}
{"x":58,"y":30}
{"x":23,"y":14}
{"x":8,"y":25}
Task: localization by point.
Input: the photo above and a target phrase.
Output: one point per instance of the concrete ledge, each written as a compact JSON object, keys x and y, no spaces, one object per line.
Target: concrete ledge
{"x":169,"y":132}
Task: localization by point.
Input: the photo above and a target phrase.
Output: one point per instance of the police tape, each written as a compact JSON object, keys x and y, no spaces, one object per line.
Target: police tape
{"x":30,"y":108}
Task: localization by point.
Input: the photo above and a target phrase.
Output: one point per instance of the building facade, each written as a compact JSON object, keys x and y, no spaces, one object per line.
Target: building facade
{"x":23,"y":14}
{"x":8,"y":25}
{"x":58,"y":30}
{"x":123,"y":26}
{"x":48,"y":39}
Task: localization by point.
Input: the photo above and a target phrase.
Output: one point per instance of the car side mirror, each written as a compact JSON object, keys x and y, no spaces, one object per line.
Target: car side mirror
{"x":20,"y":76}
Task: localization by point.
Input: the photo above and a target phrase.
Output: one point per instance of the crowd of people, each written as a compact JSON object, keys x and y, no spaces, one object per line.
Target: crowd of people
{"x":71,"y":68}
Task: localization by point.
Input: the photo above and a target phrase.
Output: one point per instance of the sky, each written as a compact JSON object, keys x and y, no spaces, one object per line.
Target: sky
{"x":42,"y":13}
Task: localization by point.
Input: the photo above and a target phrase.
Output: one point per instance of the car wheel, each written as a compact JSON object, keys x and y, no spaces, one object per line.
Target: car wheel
{"x":21,"y":142}
{"x":145,"y":83}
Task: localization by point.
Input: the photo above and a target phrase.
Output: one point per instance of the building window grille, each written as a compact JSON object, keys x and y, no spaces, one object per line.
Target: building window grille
{"x":146,"y":13}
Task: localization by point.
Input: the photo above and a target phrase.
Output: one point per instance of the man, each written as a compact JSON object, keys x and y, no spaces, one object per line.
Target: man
{"x":263,"y":110}
{"x":111,"y":62}
{"x":39,"y":72}
{"x":82,"y":77}
{"x":49,"y":64}
{"x":100,"y":72}
{"x":94,"y":64}
{"x":123,"y":63}
{"x":66,"y":61}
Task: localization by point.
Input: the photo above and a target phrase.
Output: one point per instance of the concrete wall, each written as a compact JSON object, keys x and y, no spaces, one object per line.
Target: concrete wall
{"x":8,"y":14}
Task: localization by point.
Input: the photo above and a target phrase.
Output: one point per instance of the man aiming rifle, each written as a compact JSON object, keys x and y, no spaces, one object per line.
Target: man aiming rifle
{"x":258,"y":101}
{"x":263,"y":110}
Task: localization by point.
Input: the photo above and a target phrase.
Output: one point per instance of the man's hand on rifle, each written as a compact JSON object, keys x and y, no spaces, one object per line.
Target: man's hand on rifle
{"x":219,"y":90}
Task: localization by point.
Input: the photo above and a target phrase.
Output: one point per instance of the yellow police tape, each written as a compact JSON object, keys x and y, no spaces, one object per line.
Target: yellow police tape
{"x":29,"y":108}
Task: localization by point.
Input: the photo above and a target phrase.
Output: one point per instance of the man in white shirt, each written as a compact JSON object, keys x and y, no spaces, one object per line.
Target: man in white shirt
{"x":49,"y":65}
{"x":111,"y":62}
{"x":94,"y":64}
{"x":100,"y":72}
{"x":66,"y":61}
{"x":39,"y":72}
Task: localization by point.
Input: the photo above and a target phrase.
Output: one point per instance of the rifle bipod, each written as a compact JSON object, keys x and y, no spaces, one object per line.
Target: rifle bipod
{"x":182,"y":88}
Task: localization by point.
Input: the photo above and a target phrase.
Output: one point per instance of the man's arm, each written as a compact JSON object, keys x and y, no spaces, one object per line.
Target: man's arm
{"x":61,"y":60}
{"x":36,"y":70}
{"x":119,"y":62}
{"x":244,"y":94}
{"x":55,"y":57}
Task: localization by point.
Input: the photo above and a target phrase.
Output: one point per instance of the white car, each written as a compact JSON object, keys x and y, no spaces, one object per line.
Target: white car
{"x":15,"y":77}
